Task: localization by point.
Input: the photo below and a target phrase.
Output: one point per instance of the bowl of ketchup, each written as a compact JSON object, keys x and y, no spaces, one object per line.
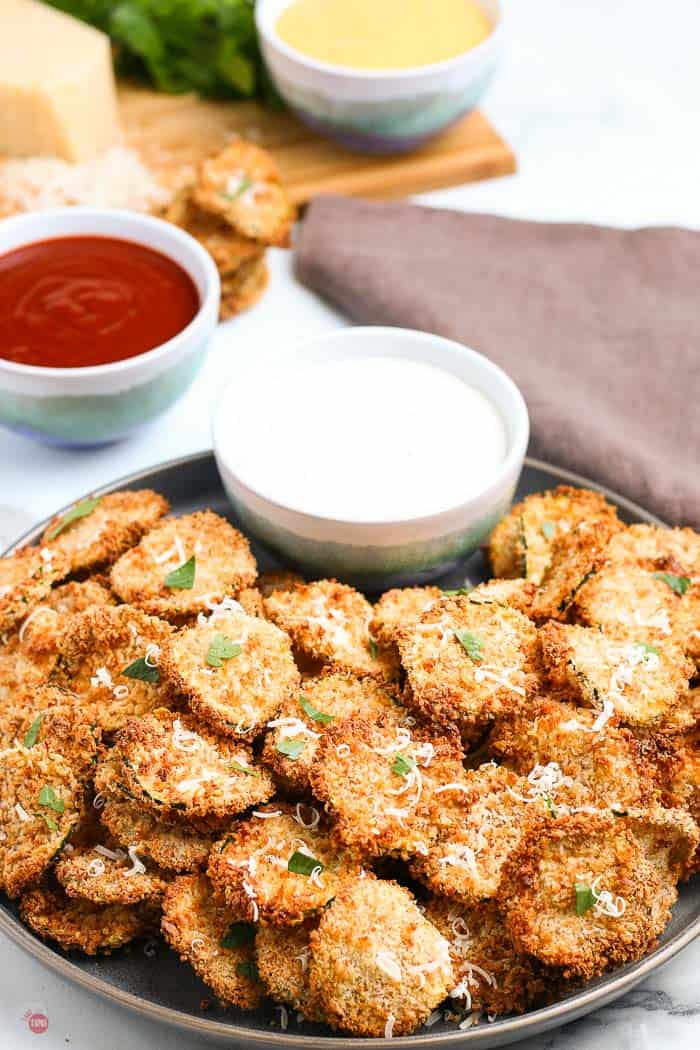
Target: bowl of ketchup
{"x":105,"y":319}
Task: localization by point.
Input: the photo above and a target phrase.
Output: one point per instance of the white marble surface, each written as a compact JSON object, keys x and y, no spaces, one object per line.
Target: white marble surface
{"x":600,"y":100}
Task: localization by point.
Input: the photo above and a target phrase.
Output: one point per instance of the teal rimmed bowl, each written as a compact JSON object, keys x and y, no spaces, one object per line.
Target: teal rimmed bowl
{"x":80,"y":407}
{"x":378,"y":110}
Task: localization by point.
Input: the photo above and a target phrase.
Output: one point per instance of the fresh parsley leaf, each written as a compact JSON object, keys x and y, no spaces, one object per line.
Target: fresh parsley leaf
{"x":458,"y":592}
{"x":237,"y":934}
{"x":50,"y":822}
{"x":248,"y":969}
{"x":49,"y":798}
{"x":647,"y":649}
{"x":222,"y":648}
{"x":679,"y":584}
{"x":240,"y":189}
{"x":142,"y":671}
{"x":291,"y":748}
{"x":312,"y":712}
{"x":303,"y":864}
{"x":32,"y":734}
{"x":182,"y":578}
{"x":548,"y":528}
{"x":80,"y":510}
{"x":238,"y":768}
{"x":402,"y":764}
{"x":585,"y":898}
{"x":550,"y":805}
{"x":471,"y":643}
{"x":373,"y":648}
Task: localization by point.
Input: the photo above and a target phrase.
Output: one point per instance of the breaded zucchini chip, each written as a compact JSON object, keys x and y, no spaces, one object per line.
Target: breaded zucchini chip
{"x":580,"y":894}
{"x":243,"y":288}
{"x":80,"y":925}
{"x":282,"y":954}
{"x":228,"y":250}
{"x":184,"y":566}
{"x":490,"y":974}
{"x":399,"y":608}
{"x":40,"y":802}
{"x":208,"y":936}
{"x":94,"y":532}
{"x":173,"y":846}
{"x":175,"y":766}
{"x":521,"y":544}
{"x":517,"y":593}
{"x":329,"y":622}
{"x":687,"y":624}
{"x":325,"y":700}
{"x":108,"y":656}
{"x":268,"y":582}
{"x":26,"y":578}
{"x":468,"y":661}
{"x":57,"y":719}
{"x":279,"y":866}
{"x":27,"y":657}
{"x":575,"y":557}
{"x":649,"y":546}
{"x":242,"y":185}
{"x":107,"y":875}
{"x":466,"y":860}
{"x":235,"y":670}
{"x":378,"y":967}
{"x":386,"y":785}
{"x":603,"y":757}
{"x":670,"y":839}
{"x":77,"y":596}
{"x":625,"y":601}
{"x":680,"y":777}
{"x":641,"y":683}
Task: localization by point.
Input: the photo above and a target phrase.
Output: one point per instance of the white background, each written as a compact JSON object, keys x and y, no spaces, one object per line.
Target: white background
{"x":600,"y":100}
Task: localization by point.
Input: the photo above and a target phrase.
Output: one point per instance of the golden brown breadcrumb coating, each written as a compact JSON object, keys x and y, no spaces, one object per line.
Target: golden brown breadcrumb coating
{"x":282,"y":954}
{"x":650,"y":546}
{"x":575,"y":557}
{"x":625,"y":601}
{"x":92,"y":875}
{"x":81,"y":925}
{"x":173,"y":846}
{"x":398,"y":608}
{"x":26,"y":578}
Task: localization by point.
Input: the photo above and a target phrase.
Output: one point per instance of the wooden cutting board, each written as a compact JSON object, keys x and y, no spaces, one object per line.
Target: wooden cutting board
{"x":173,"y":133}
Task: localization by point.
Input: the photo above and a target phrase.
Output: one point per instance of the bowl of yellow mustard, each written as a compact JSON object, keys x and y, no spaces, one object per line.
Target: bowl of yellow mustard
{"x":380,"y":76}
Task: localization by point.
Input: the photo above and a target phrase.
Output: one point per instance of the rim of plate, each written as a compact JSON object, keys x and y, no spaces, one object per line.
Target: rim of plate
{"x":508,"y":1029}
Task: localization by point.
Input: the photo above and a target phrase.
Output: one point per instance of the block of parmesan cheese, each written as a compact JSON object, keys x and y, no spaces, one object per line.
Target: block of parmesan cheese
{"x":57,"y":92}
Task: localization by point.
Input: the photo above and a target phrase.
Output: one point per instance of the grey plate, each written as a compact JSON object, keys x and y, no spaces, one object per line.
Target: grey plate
{"x":164,"y":989}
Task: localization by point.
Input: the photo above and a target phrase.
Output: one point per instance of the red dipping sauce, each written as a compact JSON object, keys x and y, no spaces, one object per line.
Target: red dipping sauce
{"x":74,"y":301}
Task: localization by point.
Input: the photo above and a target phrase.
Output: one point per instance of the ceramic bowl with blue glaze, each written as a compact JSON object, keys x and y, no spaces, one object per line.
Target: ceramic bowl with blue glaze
{"x":378,"y":111}
{"x":97,"y":404}
{"x":375,"y":555}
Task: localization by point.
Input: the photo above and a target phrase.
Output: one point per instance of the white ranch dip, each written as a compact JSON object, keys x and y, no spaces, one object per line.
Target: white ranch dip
{"x":369,"y":439}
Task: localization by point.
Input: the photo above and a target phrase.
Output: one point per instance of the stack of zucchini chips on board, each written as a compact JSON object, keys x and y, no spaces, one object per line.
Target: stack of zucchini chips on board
{"x":236,"y":208}
{"x":444,"y":805}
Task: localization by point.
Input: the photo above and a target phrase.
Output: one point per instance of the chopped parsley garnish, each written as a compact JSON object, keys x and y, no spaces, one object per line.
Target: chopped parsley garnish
{"x":182,"y":578}
{"x":303,"y":864}
{"x":402,"y":764}
{"x":585,"y":898}
{"x":80,"y":510}
{"x":237,"y":934}
{"x":549,"y":804}
{"x":222,"y":648}
{"x":471,"y":643}
{"x":459,"y":591}
{"x":240,"y":189}
{"x":32,"y":734}
{"x":312,"y":712}
{"x":548,"y":528}
{"x":248,"y":969}
{"x":291,"y":748}
{"x":49,"y":798}
{"x":238,"y":768}
{"x":647,"y":650}
{"x":142,"y":671}
{"x":373,"y":649}
{"x":679,"y":584}
{"x":50,"y":822}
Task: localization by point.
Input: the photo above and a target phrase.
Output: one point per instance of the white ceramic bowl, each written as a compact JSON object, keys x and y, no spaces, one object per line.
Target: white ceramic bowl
{"x":378,"y":111}
{"x":375,"y":554}
{"x":76,"y":407}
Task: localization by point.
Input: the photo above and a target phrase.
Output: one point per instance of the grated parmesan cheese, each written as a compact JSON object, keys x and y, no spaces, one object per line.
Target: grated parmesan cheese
{"x":116,"y":178}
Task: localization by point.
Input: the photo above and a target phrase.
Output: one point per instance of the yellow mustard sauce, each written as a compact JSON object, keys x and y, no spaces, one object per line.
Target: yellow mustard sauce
{"x":383,"y":34}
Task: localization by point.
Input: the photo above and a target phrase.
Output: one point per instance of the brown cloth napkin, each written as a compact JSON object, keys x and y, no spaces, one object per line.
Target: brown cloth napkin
{"x":599,"y":327}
